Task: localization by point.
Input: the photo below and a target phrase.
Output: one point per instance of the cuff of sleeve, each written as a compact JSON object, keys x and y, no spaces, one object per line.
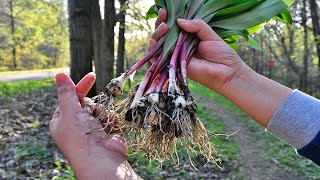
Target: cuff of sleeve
{"x":312,"y":150}
{"x":297,"y":121}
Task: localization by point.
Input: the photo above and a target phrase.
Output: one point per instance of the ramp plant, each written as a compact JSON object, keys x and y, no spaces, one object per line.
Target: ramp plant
{"x":160,"y":110}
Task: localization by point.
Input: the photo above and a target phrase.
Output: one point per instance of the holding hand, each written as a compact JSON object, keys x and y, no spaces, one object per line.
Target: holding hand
{"x":91,"y":153}
{"x":215,"y":64}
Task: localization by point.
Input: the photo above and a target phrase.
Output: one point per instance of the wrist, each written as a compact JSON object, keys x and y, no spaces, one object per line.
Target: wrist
{"x":94,"y":164}
{"x":256,"y":95}
{"x":99,"y":159}
{"x":241,"y":75}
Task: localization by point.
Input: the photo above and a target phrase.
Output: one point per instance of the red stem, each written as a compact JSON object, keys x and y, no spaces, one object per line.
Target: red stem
{"x":183,"y":62}
{"x":154,"y":84}
{"x":190,"y":55}
{"x":162,"y":81}
{"x":150,"y":55}
{"x":144,"y":82}
{"x":173,"y":65}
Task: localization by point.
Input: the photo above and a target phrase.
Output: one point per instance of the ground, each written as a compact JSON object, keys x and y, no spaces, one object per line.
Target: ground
{"x":253,"y":166}
{"x":27,"y":150}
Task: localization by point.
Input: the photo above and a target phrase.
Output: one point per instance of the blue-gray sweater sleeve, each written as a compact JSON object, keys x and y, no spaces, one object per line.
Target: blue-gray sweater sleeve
{"x":297,"y":122}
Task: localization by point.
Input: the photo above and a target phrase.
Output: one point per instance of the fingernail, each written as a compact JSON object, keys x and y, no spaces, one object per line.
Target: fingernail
{"x":93,"y":74}
{"x":60,"y":79}
{"x":160,"y":10}
{"x":182,"y":20}
{"x":150,"y":43}
{"x":161,"y":25}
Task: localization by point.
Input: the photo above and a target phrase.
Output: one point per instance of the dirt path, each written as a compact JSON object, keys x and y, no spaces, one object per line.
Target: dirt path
{"x":254,"y":167}
{"x":30,"y":75}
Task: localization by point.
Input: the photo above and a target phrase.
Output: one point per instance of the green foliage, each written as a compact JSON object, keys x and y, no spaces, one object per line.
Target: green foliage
{"x":228,"y":18}
{"x":63,"y":171}
{"x":39,"y":34}
{"x":11,"y":88}
{"x":152,"y":13}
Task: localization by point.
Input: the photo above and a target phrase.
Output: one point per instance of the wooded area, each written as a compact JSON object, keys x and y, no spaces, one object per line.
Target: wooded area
{"x":92,"y":38}
{"x":111,"y":35}
{"x":294,"y":49}
{"x":34,"y":34}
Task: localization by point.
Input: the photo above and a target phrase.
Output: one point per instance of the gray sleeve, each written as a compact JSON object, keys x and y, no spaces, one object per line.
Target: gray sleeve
{"x":297,"y":121}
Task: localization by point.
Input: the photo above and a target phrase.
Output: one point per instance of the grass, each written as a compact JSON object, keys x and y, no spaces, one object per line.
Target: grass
{"x":22,"y":87}
{"x":281,"y":154}
{"x":29,"y":71}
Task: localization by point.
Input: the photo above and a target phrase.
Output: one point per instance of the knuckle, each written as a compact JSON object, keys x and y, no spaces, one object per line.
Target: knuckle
{"x":199,"y":22}
{"x":63,"y":90}
{"x":154,"y":35}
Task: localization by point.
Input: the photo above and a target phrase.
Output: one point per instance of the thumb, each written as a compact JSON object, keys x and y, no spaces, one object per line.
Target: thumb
{"x":67,"y":93}
{"x":199,"y":27}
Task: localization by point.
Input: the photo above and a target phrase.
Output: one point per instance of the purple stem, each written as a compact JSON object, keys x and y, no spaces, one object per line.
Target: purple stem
{"x":162,"y":81}
{"x":183,"y":62}
{"x":154,"y":84}
{"x":150,"y":55}
{"x":190,"y":55}
{"x":144,"y":82}
{"x":173,"y":65}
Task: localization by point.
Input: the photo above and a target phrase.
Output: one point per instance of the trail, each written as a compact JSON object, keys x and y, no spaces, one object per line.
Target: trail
{"x":254,"y":167}
{"x":30,"y":75}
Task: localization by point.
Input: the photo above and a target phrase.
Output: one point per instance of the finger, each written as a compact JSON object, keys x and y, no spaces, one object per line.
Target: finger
{"x":162,"y":17}
{"x":152,"y":44}
{"x":67,"y":93}
{"x":56,"y":114}
{"x":85,"y":84}
{"x":202,"y":29}
{"x":160,"y":31}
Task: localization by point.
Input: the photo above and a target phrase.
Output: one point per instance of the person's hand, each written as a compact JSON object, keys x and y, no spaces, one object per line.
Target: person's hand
{"x":214,"y":64}
{"x":91,"y":153}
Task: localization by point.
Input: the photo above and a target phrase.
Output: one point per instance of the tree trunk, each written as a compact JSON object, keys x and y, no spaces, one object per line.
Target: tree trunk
{"x":96,"y":27}
{"x":306,"y":47}
{"x":13,"y":31}
{"x":121,"y":44}
{"x":314,"y":9}
{"x":104,"y":66}
{"x":80,"y":39}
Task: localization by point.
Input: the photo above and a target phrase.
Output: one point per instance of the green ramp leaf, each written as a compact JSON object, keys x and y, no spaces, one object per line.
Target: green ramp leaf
{"x":255,"y":16}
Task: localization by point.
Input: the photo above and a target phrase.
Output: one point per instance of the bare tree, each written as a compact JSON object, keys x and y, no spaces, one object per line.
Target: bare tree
{"x":13,"y":36}
{"x":304,"y":82}
{"x":121,"y":44}
{"x":104,"y":65}
{"x":80,"y":39}
{"x":314,"y":9}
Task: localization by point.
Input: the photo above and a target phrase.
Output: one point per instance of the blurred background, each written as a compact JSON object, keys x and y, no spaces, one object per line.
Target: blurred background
{"x":41,"y":37}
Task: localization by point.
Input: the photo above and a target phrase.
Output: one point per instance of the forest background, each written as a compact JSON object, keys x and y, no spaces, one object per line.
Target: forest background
{"x":108,"y":37}
{"x":42,"y":34}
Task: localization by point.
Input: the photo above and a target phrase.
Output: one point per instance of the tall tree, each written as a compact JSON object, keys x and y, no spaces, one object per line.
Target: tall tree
{"x":104,"y":65}
{"x":33,"y":34}
{"x":96,"y":28}
{"x":314,"y":9}
{"x":80,"y":39}
{"x":121,"y":40}
{"x":304,"y":83}
{"x":13,"y":32}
